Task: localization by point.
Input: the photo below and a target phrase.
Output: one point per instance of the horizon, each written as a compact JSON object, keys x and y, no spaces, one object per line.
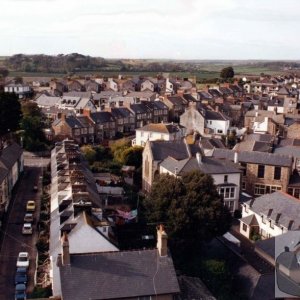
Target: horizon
{"x":184,"y":30}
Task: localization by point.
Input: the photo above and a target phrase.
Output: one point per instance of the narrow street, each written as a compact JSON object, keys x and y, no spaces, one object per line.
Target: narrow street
{"x":12,"y":239}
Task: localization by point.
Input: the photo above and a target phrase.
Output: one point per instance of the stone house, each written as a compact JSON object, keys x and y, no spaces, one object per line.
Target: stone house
{"x":148,"y":85}
{"x":263,"y":173}
{"x":78,"y":128}
{"x":125,"y":121}
{"x":193,"y":120}
{"x":176,"y":105}
{"x":105,"y":125}
{"x":143,"y":114}
{"x":75,"y":85}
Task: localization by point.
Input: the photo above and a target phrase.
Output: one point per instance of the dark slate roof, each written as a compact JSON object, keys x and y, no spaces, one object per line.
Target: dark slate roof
{"x":281,"y":203}
{"x":102,"y":117}
{"x":255,"y":157}
{"x":276,"y":102}
{"x":10,"y":155}
{"x":73,"y":122}
{"x":121,"y":112}
{"x":176,"y":100}
{"x":213,"y":115}
{"x":267,"y":246}
{"x":189,"y":98}
{"x":249,"y":220}
{"x":116,"y":275}
{"x":140,"y":108}
{"x":205,"y":95}
{"x":225,"y":90}
{"x":265,"y":288}
{"x":162,"y":149}
{"x":157,"y":105}
{"x":260,"y":137}
{"x":288,"y":150}
{"x":211,"y":143}
{"x":215,"y":93}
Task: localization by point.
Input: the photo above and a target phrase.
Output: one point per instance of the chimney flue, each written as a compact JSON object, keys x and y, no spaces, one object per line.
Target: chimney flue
{"x":162,"y":241}
{"x":65,"y":250}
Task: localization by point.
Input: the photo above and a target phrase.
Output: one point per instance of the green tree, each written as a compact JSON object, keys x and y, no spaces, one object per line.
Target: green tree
{"x":10,"y":114}
{"x":31,"y":109}
{"x":89,"y":153}
{"x":132,"y":156}
{"x":190,"y":207}
{"x":227,"y":73}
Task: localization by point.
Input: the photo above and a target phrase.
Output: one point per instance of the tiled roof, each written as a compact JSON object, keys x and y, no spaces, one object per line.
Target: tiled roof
{"x":116,"y":275}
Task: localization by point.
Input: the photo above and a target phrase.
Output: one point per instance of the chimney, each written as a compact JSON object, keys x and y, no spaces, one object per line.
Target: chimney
{"x":217,"y":108}
{"x":256,"y":114}
{"x":236,"y":157}
{"x":199,"y":158}
{"x":63,"y":117}
{"x":65,"y":250}
{"x":162,"y":241}
{"x":87,"y":112}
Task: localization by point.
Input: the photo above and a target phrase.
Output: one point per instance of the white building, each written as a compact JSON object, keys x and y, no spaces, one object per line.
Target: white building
{"x":217,"y":122}
{"x":226,"y":175}
{"x":18,"y":88}
{"x":270,"y":215}
{"x":160,"y":131}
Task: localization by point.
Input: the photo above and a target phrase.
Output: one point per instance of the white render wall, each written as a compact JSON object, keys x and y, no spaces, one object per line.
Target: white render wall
{"x":216,"y":125}
{"x":269,"y":232}
{"x":142,"y":136}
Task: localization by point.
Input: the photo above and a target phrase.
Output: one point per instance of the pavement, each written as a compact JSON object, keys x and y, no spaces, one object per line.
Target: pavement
{"x":12,"y":241}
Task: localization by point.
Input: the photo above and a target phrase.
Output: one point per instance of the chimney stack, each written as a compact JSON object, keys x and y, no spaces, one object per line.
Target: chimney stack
{"x":65,"y":250}
{"x":87,"y":112}
{"x":236,"y":157}
{"x":162,"y":241}
{"x":199,"y":157}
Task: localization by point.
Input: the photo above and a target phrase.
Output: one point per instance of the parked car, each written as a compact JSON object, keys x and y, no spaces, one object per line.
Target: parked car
{"x":35,"y":188}
{"x":20,"y":292}
{"x":27,"y":228}
{"x":23,"y":260}
{"x":21,"y":275}
{"x":28,"y":218}
{"x":30,"y":206}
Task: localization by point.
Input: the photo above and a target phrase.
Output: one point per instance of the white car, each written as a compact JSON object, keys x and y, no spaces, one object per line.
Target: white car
{"x":27,"y":228}
{"x":23,"y":260}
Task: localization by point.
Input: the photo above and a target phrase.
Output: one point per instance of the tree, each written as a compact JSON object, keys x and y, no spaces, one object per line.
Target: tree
{"x":190,"y":207}
{"x":3,"y":72}
{"x":227,"y":73}
{"x":132,"y":156}
{"x":31,"y":109}
{"x":89,"y":153}
{"x":10,"y":114}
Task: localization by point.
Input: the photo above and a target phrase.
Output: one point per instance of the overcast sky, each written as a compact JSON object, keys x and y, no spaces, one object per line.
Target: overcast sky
{"x":180,"y":29}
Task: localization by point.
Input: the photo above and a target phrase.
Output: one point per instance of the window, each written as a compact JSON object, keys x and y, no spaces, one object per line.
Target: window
{"x":243,"y":185}
{"x":261,"y":189}
{"x":230,"y":205}
{"x":245,"y":227}
{"x":220,"y":131}
{"x":277,"y":173}
{"x":227,"y":192}
{"x":244,"y":166}
{"x":225,"y":178}
{"x":261,"y":171}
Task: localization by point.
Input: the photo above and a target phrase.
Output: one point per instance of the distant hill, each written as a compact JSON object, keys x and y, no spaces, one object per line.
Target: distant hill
{"x":53,"y":64}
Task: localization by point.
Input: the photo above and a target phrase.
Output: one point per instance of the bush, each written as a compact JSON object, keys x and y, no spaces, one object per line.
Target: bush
{"x":39,"y":292}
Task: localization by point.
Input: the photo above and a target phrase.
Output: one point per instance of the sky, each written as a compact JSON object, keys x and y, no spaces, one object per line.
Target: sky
{"x":173,"y":29}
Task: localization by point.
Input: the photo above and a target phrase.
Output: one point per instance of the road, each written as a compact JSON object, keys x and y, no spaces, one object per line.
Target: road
{"x":12,"y":240}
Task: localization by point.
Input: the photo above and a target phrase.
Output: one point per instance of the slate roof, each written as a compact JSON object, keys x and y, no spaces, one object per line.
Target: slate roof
{"x":121,"y":112}
{"x":10,"y":155}
{"x":281,"y":203}
{"x":140,"y":108}
{"x":213,"y":115}
{"x":162,"y":149}
{"x":267,"y":246}
{"x":102,"y":117}
{"x":249,"y":220}
{"x":208,"y":166}
{"x":255,"y":157}
{"x":116,"y":275}
{"x":45,"y":100}
{"x":189,"y":98}
{"x":161,"y":128}
{"x":176,"y":100}
{"x":211,"y":143}
{"x":73,"y":122}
